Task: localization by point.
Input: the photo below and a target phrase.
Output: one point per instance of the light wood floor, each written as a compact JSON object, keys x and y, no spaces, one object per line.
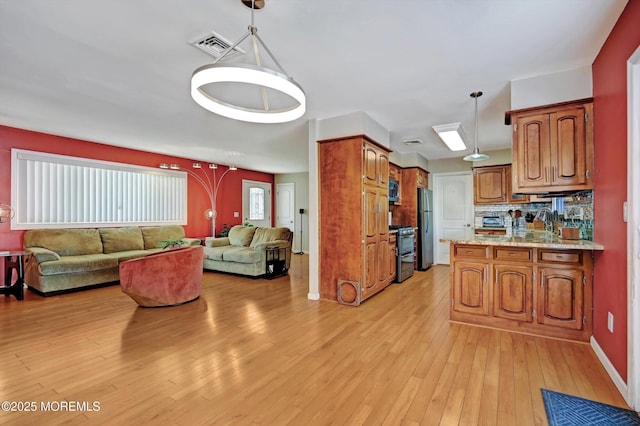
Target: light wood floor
{"x":257,"y":352}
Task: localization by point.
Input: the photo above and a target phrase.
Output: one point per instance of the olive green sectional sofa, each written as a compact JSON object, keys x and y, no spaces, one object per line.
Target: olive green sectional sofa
{"x":244,"y":250}
{"x":66,"y":259}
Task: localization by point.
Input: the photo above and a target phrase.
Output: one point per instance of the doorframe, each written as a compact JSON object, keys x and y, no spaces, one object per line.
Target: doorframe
{"x":436,"y":196}
{"x":279,"y":187}
{"x":633,"y":230}
{"x":269,"y":198}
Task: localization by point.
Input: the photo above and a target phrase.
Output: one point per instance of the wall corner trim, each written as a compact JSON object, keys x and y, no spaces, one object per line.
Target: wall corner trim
{"x":611,"y":371}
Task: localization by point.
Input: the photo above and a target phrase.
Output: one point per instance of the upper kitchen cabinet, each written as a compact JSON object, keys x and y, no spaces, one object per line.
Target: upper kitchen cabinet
{"x":552,"y":147}
{"x":376,"y":166}
{"x":492,"y":185}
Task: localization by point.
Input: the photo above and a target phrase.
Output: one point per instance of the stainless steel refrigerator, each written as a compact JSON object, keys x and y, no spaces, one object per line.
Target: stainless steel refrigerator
{"x":425,"y":229}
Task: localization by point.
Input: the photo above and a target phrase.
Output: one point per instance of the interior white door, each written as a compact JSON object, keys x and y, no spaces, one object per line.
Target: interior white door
{"x":285,"y":205}
{"x":256,"y":203}
{"x":453,"y":210}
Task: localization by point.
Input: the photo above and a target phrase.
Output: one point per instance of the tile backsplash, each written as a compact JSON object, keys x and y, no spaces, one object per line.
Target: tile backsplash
{"x":578,"y":212}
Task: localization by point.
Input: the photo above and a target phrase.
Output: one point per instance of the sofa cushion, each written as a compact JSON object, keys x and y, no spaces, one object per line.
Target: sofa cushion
{"x":215,"y":253}
{"x":241,"y":236}
{"x":153,"y":235}
{"x":264,"y":235}
{"x":241,"y":255}
{"x":84,"y":263}
{"x":123,"y":256}
{"x":65,"y":242}
{"x":121,"y":239}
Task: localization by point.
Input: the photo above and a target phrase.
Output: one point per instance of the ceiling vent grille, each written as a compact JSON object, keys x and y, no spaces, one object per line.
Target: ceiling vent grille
{"x":214,"y":45}
{"x":412,"y":142}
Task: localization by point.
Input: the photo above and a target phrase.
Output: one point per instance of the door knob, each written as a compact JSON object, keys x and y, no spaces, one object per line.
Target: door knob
{"x":468,"y":225}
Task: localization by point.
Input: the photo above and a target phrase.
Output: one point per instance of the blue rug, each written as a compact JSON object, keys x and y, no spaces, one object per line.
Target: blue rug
{"x":567,"y":410}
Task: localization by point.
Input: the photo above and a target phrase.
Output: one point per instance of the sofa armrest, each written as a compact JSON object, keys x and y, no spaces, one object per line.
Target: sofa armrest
{"x":277,"y":243}
{"x":42,"y":254}
{"x":192,"y":241}
{"x":216,"y":241}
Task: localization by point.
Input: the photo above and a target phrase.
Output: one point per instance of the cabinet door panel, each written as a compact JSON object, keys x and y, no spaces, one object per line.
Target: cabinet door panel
{"x":383,"y":170}
{"x":490,"y":185}
{"x":370,"y":258}
{"x":370,"y":165}
{"x":382,"y":212}
{"x":470,"y":288}
{"x":560,"y":301}
{"x":532,"y":151}
{"x":383,"y":263}
{"x":513,"y":292}
{"x":568,"y":148}
{"x":371,"y":213}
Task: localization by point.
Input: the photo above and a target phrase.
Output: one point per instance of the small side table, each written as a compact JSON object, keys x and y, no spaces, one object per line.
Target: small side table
{"x":276,"y":261}
{"x":13,"y":261}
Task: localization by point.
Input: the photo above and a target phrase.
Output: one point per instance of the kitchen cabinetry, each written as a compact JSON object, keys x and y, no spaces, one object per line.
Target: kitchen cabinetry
{"x":354,"y":234}
{"x":534,"y":290}
{"x":392,"y":257}
{"x":492,"y":185}
{"x":552,"y":147}
{"x":412,"y":179}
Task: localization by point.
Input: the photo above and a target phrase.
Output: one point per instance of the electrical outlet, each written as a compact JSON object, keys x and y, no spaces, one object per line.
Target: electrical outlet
{"x":610,"y":321}
{"x":236,"y":214}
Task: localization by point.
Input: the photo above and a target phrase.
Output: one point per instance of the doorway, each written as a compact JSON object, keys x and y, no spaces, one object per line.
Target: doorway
{"x":256,"y":203}
{"x":285,"y":205}
{"x":453,"y":215}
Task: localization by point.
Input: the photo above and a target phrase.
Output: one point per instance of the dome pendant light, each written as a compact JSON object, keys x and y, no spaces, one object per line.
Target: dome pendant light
{"x":476,"y":155}
{"x":257,"y":75}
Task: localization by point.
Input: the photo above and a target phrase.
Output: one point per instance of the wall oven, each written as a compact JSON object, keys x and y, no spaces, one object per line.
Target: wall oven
{"x":405,"y":252}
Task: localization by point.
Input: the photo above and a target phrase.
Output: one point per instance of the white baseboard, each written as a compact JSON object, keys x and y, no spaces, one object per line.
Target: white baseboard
{"x":611,"y":370}
{"x":313,"y":296}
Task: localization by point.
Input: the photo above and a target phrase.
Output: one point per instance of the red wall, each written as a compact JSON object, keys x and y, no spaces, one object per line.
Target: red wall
{"x":229,"y":195}
{"x":610,"y":126}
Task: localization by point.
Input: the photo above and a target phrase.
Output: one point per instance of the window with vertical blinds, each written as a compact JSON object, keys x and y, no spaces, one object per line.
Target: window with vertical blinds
{"x":57,"y":191}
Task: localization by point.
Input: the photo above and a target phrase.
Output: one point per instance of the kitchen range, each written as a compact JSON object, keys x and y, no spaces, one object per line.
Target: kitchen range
{"x":404,"y":251}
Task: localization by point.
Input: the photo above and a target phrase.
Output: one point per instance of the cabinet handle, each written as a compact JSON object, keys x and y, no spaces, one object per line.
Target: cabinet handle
{"x":512,"y":254}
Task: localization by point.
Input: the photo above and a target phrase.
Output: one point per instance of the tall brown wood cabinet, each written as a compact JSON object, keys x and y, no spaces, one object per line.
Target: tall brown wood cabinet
{"x":354,"y":230}
{"x":552,"y":147}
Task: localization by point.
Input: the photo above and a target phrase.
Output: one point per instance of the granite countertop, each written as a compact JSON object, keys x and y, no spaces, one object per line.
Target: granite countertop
{"x":529,"y":239}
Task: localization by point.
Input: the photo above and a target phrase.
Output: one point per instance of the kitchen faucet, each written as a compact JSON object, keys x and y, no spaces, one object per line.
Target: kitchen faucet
{"x":545,"y":215}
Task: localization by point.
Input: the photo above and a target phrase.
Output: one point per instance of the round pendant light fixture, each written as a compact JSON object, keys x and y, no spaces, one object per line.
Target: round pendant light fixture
{"x":257,"y":75}
{"x":476,"y":155}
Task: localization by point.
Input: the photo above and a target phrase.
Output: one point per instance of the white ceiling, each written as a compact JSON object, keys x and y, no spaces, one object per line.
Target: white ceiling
{"x":118,"y":71}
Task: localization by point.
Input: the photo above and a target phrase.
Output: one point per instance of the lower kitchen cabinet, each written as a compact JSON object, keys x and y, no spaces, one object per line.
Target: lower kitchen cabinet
{"x":560,"y":303}
{"x":470,"y":288}
{"x":532,"y":290}
{"x":513,"y":292}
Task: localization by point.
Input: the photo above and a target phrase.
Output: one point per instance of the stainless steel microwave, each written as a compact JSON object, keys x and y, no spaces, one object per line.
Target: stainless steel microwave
{"x":394,"y":189}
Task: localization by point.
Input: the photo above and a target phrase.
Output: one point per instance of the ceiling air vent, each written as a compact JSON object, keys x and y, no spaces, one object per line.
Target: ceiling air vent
{"x":412,"y":142}
{"x":214,"y":44}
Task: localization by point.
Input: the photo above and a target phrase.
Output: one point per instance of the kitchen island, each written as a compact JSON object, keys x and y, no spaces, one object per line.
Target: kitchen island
{"x":531,"y":282}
